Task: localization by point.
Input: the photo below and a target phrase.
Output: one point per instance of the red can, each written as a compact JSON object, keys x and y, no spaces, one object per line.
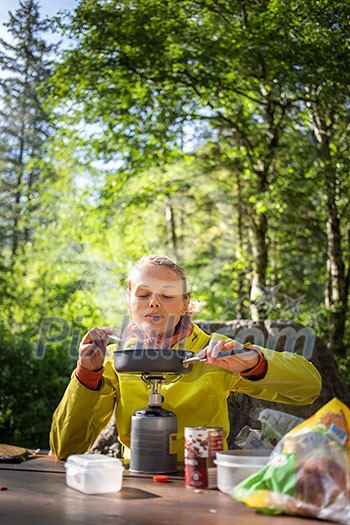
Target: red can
{"x":201,"y":446}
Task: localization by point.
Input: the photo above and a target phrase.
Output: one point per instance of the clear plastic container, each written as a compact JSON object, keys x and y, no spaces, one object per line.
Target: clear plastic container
{"x":94,"y":473}
{"x":236,"y":465}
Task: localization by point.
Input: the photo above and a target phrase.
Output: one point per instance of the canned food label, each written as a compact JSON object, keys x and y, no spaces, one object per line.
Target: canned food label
{"x":201,"y":445}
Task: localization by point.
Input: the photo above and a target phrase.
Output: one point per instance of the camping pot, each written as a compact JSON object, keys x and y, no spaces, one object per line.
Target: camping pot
{"x":152,"y":360}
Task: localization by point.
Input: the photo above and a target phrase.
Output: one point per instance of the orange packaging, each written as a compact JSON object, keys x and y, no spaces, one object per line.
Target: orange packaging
{"x":308,"y":472}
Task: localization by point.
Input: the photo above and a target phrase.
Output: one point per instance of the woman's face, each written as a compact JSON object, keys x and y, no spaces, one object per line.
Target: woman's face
{"x":156,"y":299}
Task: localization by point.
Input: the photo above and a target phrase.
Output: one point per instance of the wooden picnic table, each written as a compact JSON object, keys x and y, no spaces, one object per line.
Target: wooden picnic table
{"x":35,"y":493}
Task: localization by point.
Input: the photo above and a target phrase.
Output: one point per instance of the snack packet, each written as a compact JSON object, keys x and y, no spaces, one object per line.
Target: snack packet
{"x":308,"y":472}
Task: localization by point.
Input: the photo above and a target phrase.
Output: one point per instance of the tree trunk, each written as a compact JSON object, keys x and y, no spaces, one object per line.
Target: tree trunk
{"x":240,"y":285}
{"x":170,"y":220}
{"x":18,"y":196}
{"x":260,"y":255}
{"x":337,"y":283}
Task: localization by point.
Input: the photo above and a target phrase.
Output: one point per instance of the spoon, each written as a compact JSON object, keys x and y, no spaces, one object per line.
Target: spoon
{"x":115,"y":338}
{"x":197,"y":359}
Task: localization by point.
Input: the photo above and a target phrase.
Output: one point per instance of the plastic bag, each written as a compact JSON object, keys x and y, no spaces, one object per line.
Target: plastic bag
{"x":273,"y":425}
{"x":308,"y":473}
{"x":250,"y":438}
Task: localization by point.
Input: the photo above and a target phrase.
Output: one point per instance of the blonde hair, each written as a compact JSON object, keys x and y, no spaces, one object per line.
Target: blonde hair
{"x":163,"y":260}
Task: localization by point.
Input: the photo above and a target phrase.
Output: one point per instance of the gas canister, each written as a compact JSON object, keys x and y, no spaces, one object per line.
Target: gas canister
{"x":153,"y":440}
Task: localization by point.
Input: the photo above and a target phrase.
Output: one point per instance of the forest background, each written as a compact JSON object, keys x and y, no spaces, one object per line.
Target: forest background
{"x":216,"y":132}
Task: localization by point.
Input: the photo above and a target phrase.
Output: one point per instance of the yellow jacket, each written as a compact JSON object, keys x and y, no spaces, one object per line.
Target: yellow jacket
{"x":199,"y":398}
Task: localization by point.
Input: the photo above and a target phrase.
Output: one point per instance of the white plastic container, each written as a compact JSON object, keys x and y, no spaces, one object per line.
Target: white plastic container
{"x":94,"y":473}
{"x":236,"y":465}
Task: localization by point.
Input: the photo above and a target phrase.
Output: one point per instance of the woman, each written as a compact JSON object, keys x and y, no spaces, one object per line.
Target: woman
{"x":161,"y":309}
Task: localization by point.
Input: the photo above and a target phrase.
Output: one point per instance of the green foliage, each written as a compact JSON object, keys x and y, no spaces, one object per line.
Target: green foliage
{"x":30,"y":387}
{"x":214,"y":132}
{"x":24,"y":125}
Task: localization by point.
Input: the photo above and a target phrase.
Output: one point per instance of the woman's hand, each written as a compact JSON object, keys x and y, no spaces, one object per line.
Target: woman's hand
{"x":92,"y":348}
{"x":230,"y":355}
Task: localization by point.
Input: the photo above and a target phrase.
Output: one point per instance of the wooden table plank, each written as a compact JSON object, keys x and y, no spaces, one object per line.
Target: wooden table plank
{"x":39,"y":463}
{"x":43,"y":498}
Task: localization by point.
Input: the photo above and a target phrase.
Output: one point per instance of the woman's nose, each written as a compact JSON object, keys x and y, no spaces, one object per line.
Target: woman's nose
{"x":154,"y":301}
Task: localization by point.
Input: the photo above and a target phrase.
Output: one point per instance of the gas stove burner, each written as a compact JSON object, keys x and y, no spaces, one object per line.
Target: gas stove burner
{"x":167,"y":378}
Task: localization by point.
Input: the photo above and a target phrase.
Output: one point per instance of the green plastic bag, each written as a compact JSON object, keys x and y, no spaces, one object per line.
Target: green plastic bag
{"x":308,"y":472}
